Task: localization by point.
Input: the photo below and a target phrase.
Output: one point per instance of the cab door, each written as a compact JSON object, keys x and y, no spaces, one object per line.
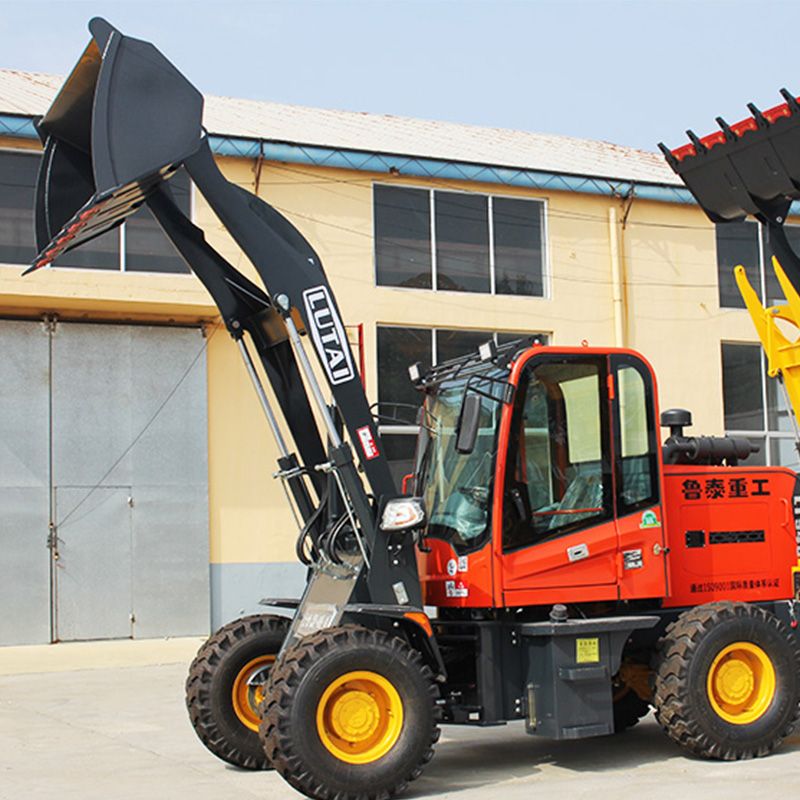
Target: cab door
{"x":637,"y":470}
{"x":559,"y":535}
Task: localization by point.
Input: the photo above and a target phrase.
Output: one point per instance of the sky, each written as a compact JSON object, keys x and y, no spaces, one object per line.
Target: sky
{"x":630,"y":72}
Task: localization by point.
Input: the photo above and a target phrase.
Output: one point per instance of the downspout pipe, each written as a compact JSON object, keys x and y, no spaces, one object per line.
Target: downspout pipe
{"x":617,"y":288}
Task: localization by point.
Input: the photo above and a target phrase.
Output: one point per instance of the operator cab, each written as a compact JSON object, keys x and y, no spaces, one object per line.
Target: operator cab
{"x":561,"y":488}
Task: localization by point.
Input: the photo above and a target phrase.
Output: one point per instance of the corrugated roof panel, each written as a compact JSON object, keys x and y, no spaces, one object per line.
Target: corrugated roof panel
{"x":32,"y":93}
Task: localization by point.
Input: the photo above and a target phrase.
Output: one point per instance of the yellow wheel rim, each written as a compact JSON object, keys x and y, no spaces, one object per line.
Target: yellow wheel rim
{"x":741,"y":683}
{"x":246,"y":698}
{"x":359,"y":717}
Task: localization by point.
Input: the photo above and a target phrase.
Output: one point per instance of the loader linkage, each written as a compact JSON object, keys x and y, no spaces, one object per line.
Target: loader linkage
{"x":752,"y":168}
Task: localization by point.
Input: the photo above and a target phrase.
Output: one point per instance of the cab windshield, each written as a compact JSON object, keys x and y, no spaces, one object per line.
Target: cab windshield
{"x":458,"y":487}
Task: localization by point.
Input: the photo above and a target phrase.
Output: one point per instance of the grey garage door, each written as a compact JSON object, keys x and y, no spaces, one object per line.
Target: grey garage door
{"x":103,"y":482}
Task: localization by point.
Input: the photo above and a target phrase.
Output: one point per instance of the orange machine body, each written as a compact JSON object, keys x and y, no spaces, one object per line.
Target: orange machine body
{"x":709,"y":533}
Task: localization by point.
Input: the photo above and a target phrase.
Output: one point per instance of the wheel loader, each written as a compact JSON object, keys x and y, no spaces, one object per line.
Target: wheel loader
{"x":550,"y":561}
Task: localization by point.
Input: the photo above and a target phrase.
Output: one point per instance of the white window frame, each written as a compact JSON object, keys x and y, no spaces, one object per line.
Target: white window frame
{"x":414,"y":429}
{"x":489,"y":221}
{"x":121,"y":251}
{"x":764,"y":263}
{"x":765,"y":433}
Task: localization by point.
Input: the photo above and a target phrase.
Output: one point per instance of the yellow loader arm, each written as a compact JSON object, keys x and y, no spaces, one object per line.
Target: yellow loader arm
{"x":783,"y":355}
{"x":752,"y":168}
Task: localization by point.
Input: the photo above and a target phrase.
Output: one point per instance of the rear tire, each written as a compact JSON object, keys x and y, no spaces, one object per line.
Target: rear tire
{"x":222,"y":707}
{"x":350,"y":713}
{"x":727,"y":681}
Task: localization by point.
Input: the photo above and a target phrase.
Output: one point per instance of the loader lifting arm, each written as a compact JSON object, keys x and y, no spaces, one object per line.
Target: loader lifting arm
{"x":123,"y":123}
{"x":752,"y":168}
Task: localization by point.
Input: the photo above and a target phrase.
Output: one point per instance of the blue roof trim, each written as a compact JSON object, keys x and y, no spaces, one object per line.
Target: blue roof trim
{"x":17,"y":126}
{"x":361,"y":160}
{"x":448,"y":170}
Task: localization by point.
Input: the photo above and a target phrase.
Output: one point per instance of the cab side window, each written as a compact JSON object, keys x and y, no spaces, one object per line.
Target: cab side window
{"x":558,"y":476}
{"x":636,"y":448}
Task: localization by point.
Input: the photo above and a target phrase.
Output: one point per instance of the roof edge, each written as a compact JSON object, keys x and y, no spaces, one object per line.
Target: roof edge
{"x":398,"y":165}
{"x":21,"y":126}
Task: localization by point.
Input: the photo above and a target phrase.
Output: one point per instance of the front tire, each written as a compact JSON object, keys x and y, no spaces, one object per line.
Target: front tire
{"x":350,"y":713}
{"x":727,"y":681}
{"x":222,"y":706}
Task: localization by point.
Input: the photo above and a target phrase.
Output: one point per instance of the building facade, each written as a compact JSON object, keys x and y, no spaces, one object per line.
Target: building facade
{"x":135,"y":467}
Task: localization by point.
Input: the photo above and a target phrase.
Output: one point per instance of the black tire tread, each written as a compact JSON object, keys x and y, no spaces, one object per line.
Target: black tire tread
{"x":283,"y":681}
{"x":199,"y":700}
{"x":680,"y":640}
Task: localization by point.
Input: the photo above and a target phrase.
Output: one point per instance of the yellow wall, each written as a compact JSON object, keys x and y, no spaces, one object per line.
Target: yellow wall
{"x":77,"y":294}
{"x":669,"y":304}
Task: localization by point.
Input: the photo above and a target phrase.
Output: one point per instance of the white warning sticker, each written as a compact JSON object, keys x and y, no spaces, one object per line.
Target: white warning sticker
{"x":455,"y":589}
{"x":368,"y":444}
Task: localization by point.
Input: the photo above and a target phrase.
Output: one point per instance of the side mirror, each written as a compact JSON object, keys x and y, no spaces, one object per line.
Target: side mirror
{"x":468,"y":423}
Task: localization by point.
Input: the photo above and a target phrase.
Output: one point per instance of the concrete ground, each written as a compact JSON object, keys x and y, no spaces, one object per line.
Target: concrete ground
{"x":106,"y":720}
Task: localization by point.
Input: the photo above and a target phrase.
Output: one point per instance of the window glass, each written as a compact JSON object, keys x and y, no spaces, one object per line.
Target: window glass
{"x":455,"y":343}
{"x":745,"y":385}
{"x":775,"y":294}
{"x":632,"y":412}
{"x":462,"y":242}
{"x":737,"y":243}
{"x":458,"y":486}
{"x":636,"y":462}
{"x":147,"y":249}
{"x":742,"y":387}
{"x":559,"y":474}
{"x":99,"y":253}
{"x":783,"y":451}
{"x":517,"y":246}
{"x":398,"y":348}
{"x":758,"y":458}
{"x":583,"y":420}
{"x":778,"y":418}
{"x":17,"y":186}
{"x":402,"y":236}
{"x":18,"y":173}
{"x":398,"y":400}
{"x":793,"y":235}
{"x":465,"y":257}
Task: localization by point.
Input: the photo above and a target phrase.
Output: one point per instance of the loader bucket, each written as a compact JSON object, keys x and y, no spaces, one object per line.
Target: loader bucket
{"x":124,"y":120}
{"x":752,"y":167}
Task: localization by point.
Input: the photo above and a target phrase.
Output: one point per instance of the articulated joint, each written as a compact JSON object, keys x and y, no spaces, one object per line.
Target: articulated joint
{"x":288,"y":474}
{"x":341,"y":455}
{"x":235,"y":328}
